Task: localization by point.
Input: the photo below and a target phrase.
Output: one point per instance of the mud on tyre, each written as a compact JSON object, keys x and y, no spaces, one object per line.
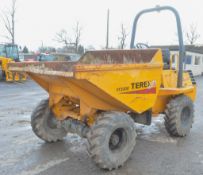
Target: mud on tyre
{"x":111,"y":139}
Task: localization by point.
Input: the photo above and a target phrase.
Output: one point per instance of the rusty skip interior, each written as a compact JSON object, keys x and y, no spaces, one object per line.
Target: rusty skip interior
{"x":94,"y":57}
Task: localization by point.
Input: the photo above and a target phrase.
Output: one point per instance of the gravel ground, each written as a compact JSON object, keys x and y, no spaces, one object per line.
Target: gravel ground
{"x":22,"y":153}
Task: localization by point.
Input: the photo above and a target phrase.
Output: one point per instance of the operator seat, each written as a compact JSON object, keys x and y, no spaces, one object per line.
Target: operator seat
{"x":166,"y":58}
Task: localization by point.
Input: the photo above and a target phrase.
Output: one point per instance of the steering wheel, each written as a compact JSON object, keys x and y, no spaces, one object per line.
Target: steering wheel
{"x":141,"y":46}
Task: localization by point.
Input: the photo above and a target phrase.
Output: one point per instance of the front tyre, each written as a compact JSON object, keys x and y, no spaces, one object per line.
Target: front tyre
{"x":44,"y":123}
{"x":111,"y":139}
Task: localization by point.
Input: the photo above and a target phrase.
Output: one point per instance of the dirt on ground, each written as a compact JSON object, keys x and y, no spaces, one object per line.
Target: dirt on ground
{"x":155,"y":153}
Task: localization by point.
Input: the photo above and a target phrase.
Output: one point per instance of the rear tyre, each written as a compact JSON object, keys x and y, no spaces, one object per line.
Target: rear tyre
{"x":179,"y":116}
{"x":44,"y":124}
{"x":111,"y":139}
{"x":2,"y":75}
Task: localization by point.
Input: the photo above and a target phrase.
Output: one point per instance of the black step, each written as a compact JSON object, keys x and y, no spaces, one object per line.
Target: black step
{"x":191,"y":76}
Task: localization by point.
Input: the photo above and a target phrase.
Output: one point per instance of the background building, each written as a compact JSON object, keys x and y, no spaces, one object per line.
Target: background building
{"x":194,"y":57}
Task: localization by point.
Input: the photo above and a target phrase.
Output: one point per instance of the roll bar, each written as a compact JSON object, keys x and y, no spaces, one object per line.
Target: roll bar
{"x":180,"y":36}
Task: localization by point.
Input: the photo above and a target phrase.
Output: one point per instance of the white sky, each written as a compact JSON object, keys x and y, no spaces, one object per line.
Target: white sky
{"x":39,"y":20}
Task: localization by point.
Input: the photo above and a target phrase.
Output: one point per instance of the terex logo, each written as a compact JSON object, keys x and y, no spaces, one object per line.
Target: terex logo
{"x":145,"y":87}
{"x":138,"y":85}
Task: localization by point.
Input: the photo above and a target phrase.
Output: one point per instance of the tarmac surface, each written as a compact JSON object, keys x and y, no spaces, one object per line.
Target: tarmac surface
{"x":156,"y":153}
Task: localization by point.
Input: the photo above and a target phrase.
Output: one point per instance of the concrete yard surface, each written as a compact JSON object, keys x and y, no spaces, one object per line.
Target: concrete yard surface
{"x":156,"y":153}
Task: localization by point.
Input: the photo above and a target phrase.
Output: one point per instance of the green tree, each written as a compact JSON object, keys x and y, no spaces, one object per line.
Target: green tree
{"x":47,"y":49}
{"x":25,"y":49}
{"x":81,"y":49}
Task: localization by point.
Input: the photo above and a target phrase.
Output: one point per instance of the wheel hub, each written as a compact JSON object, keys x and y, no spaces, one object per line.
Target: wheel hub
{"x":117,"y":139}
{"x":114,"y":139}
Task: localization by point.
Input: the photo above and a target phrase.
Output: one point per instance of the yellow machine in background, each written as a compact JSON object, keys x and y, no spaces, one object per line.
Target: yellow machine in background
{"x":9,"y":54}
{"x":100,"y":96}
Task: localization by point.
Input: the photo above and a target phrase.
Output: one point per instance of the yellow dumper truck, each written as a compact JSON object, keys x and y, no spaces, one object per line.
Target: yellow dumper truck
{"x":9,"y":54}
{"x":102,"y":95}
